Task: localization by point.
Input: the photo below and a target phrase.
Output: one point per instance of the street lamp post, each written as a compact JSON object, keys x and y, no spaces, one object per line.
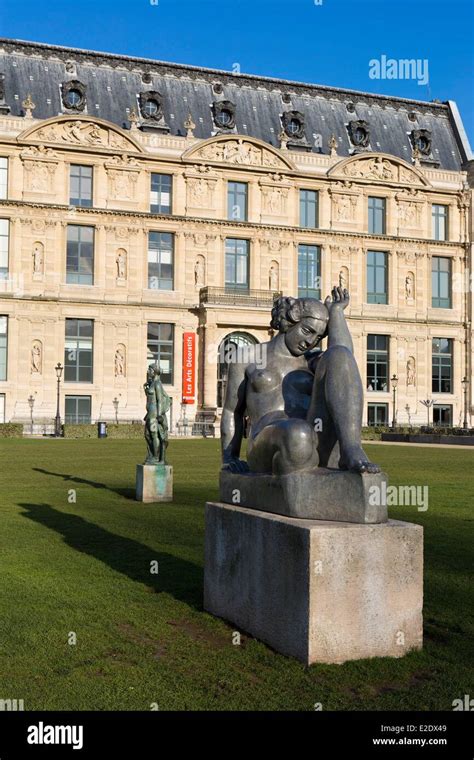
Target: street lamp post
{"x":394,"y":381}
{"x":57,"y":422}
{"x":428,"y":402}
{"x":465,"y":384}
{"x":31,"y":402}
{"x":116,"y":402}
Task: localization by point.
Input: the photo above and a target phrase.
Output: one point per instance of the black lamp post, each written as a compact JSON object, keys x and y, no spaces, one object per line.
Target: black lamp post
{"x":116,"y":402}
{"x":465,"y":385}
{"x":57,"y":421}
{"x":394,"y":381}
{"x":31,"y":402}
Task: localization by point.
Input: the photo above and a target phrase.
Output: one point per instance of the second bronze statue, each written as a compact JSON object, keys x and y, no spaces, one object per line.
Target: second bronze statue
{"x":156,"y":425}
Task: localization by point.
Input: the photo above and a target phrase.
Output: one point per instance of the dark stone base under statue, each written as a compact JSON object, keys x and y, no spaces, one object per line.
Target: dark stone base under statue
{"x":317,"y":494}
{"x":154,"y":483}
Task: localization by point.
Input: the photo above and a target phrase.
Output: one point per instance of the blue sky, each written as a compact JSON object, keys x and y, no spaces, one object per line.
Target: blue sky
{"x":323,"y":41}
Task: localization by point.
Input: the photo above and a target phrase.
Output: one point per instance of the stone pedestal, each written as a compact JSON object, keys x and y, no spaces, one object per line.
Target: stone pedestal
{"x":319,"y":591}
{"x":154,"y":483}
{"x":318,"y":494}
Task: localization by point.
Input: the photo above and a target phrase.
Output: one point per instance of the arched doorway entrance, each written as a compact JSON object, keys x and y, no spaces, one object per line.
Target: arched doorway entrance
{"x":230,"y":343}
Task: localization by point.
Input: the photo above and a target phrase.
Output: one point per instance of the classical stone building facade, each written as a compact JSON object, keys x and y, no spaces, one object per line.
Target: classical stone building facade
{"x":142,"y":203}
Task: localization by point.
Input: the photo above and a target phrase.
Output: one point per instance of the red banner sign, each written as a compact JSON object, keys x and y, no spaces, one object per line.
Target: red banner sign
{"x":189,"y":367}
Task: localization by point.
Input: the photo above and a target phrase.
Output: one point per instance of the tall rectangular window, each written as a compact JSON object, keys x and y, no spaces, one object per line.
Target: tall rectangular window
{"x":237,"y":264}
{"x":78,"y":351}
{"x":160,"y":260}
{"x":377,"y":277}
{"x":80,"y":255}
{"x":80,"y":185}
{"x":442,"y":415}
{"x":442,"y":365}
{"x":160,"y":348}
{"x":441,"y":282}
{"x":309,"y":271}
{"x":439,"y":217}
{"x":309,"y":208}
{"x":4,"y":245}
{"x":377,"y":216}
{"x":3,"y":347}
{"x":161,"y":193}
{"x":377,"y":362}
{"x":3,"y":178}
{"x":377,"y":415}
{"x":77,"y":410}
{"x":237,"y":201}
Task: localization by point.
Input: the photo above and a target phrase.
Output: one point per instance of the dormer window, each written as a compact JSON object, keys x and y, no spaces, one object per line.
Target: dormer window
{"x":359,"y":133}
{"x":293,"y":127}
{"x":73,"y":98}
{"x":73,"y":95}
{"x":224,"y":118}
{"x":151,"y":108}
{"x":224,"y":114}
{"x":421,"y":139}
{"x":293,"y":124}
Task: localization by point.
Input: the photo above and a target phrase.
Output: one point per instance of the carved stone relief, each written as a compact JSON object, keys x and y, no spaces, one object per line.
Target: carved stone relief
{"x":200,"y":271}
{"x":120,"y":361}
{"x":239,"y":151}
{"x":274,"y":276}
{"x":36,"y":366}
{"x":121,"y":263}
{"x":38,"y":259}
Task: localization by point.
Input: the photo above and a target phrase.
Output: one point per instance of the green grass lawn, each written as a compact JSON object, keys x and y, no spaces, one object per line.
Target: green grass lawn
{"x":142,"y":638}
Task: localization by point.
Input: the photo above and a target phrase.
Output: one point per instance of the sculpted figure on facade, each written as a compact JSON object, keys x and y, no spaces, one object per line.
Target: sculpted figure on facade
{"x":344,"y":278}
{"x":200,"y":272}
{"x":411,"y":371}
{"x":274,"y":277}
{"x":121,"y":262}
{"x":36,"y":358}
{"x":409,"y":286}
{"x":38,"y":258}
{"x":120,"y":361}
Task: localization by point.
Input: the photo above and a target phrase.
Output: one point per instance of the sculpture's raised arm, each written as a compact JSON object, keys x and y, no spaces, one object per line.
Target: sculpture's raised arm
{"x":338,"y":330}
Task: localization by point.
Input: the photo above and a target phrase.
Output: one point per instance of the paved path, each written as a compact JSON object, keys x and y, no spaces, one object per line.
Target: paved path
{"x":426,"y":445}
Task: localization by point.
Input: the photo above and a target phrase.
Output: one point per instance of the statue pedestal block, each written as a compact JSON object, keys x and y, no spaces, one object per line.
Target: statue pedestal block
{"x":316,"y":590}
{"x":318,"y":494}
{"x":154,"y":483}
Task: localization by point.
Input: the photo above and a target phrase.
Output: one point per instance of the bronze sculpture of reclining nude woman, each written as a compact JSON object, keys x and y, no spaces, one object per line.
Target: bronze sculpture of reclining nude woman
{"x":304,"y":410}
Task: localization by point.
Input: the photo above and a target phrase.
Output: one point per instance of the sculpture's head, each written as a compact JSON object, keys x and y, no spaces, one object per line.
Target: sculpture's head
{"x":304,"y":322}
{"x":153,"y":371}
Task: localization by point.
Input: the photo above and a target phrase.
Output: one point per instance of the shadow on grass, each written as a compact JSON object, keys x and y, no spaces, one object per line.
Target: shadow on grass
{"x":178,"y":577}
{"x":128,"y":493}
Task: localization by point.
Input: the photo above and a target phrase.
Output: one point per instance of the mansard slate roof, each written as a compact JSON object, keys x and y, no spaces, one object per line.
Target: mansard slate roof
{"x":113,"y":83}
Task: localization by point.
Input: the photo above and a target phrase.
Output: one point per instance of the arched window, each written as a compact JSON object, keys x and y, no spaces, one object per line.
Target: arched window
{"x":228,"y":346}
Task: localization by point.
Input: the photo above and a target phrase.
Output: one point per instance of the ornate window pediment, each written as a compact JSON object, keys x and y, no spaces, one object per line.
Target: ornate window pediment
{"x":240,"y":150}
{"x":378,"y":167}
{"x":76,"y":130}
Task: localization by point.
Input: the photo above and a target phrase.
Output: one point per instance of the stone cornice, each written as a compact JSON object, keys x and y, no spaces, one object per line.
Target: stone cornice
{"x":220,"y":223}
